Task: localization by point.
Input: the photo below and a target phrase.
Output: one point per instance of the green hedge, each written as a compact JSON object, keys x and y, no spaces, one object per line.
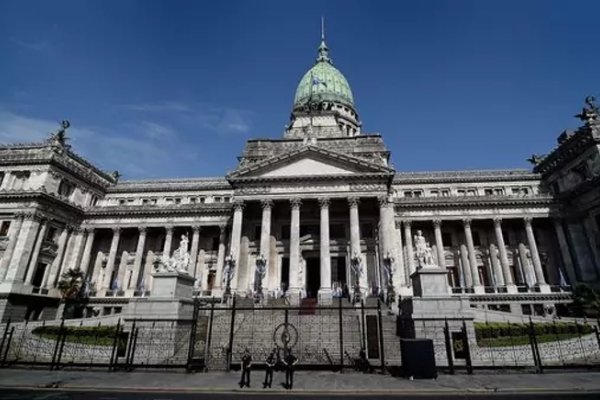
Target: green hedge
{"x":502,"y":329}
{"x":95,"y":335}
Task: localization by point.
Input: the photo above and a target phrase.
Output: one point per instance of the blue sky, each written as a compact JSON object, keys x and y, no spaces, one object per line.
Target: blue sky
{"x":175,"y":88}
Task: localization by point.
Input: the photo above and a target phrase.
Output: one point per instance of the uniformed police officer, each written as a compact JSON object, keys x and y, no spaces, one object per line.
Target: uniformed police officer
{"x":246,"y":367}
{"x":290,"y":362}
{"x":269,"y":367}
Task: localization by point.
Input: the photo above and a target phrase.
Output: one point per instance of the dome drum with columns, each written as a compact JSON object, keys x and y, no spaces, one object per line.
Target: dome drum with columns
{"x":322,"y":207}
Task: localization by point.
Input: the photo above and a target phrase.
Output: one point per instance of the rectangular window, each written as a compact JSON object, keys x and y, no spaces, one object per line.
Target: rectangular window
{"x":4,"y":228}
{"x":178,"y":200}
{"x":285,"y":232}
{"x":408,"y":193}
{"x":192,"y":200}
{"x":471,"y":192}
{"x":225,"y":199}
{"x":202,"y":199}
{"x":153,"y":201}
{"x":65,"y":188}
{"x":217,"y":199}
{"x":435,"y":193}
{"x":418,"y":193}
{"x":460,"y":192}
{"x":498,"y":191}
{"x":121,"y":202}
{"x":366,"y":231}
{"x":130,"y":201}
{"x":488,"y":192}
{"x":145,"y":201}
{"x":476,"y":239}
{"x":168,"y":201}
{"x":445,"y":193}
{"x":447,"y":239}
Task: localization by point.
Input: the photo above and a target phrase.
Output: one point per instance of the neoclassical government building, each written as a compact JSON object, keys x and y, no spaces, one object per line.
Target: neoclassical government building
{"x":310,"y":202}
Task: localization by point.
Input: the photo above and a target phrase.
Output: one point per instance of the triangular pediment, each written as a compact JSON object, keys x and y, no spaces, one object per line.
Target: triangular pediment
{"x":309,"y":161}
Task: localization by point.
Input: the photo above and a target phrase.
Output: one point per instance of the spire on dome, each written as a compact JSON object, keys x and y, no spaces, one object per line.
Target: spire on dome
{"x":323,"y":49}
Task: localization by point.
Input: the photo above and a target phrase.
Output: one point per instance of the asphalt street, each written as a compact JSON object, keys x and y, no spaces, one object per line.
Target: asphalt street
{"x":60,"y":394}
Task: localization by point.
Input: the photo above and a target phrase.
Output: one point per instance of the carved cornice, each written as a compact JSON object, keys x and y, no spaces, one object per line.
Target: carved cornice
{"x":569,"y":149}
{"x":170,"y":185}
{"x":465,"y":176}
{"x":475,"y":201}
{"x":154,"y":210}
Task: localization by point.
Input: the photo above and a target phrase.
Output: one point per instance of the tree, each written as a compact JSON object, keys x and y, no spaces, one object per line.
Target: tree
{"x":70,"y":285}
{"x":586,"y":301}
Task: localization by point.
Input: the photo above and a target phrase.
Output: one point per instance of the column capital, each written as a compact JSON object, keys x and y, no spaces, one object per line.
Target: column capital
{"x":142,"y":229}
{"x":384,"y":201}
{"x":437,"y":223}
{"x":528,"y":220}
{"x":196,"y":228}
{"x":406,"y":222}
{"x":222,"y":227}
{"x":295,"y":202}
{"x":353,"y":201}
{"x":324,"y":202}
{"x":467,"y":222}
{"x":88,"y":229}
{"x":169,"y":229}
{"x":266,"y":204}
{"x":497,"y":221}
{"x":398,"y":224}
{"x":116,"y":230}
{"x":238,"y":204}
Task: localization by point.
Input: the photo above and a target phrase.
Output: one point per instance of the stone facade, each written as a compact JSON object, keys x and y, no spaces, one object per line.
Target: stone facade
{"x":322,"y":205}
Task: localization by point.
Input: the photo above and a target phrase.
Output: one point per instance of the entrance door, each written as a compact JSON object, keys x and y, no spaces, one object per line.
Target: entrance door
{"x":313,"y":277}
{"x":338,"y":270}
{"x":285,"y":273}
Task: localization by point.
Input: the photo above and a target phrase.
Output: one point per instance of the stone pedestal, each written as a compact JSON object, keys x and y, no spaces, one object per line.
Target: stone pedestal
{"x":425,"y":314}
{"x":430,"y":281}
{"x":325,"y":297}
{"x":171,"y":298}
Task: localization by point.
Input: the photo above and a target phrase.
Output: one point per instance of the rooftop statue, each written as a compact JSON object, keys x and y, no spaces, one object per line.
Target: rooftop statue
{"x":60,"y":138}
{"x":589,"y":114}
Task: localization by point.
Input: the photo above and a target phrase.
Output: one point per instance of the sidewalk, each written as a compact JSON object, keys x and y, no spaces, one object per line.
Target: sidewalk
{"x":305,"y":381}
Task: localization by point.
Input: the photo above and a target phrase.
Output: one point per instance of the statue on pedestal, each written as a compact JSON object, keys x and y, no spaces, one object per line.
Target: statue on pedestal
{"x":179,"y":262}
{"x":357,"y":270}
{"x":388,"y":269}
{"x":423,"y":251}
{"x":228,"y":273}
{"x":259,"y":274}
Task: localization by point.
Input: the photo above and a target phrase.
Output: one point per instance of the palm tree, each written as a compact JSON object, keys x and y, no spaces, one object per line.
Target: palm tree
{"x":70,"y":284}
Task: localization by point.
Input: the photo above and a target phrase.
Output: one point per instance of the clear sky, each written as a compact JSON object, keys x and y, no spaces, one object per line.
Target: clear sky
{"x":175,"y":88}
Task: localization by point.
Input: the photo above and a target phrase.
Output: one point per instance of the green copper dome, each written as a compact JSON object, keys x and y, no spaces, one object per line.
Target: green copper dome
{"x":323,"y":82}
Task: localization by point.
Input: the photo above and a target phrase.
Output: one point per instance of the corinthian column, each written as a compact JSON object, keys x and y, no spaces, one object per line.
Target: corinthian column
{"x":139,"y":254}
{"x":355,"y":241}
{"x":564,"y":251}
{"x":295,"y":246}
{"x":472,"y":257}
{"x":236,"y":238}
{"x":168,"y":241}
{"x":220,"y":256}
{"x":13,"y":236}
{"x":325,"y":290}
{"x":194,"y":250}
{"x":36,"y":252}
{"x":53,"y":268}
{"x":508,"y":279}
{"x":439,"y":243}
{"x":535,"y":257}
{"x":112,"y":255}
{"x":87,"y":250}
{"x":410,"y":251}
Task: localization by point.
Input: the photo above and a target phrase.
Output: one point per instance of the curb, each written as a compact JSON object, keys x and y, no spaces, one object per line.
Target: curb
{"x":339,"y":392}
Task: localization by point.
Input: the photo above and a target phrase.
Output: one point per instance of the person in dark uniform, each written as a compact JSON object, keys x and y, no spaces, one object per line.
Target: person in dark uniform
{"x":290,"y":362}
{"x":269,"y":367}
{"x":246,"y":367}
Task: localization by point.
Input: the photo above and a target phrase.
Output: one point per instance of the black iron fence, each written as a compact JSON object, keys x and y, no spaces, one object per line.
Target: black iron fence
{"x":337,"y":337}
{"x":214,"y":338}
